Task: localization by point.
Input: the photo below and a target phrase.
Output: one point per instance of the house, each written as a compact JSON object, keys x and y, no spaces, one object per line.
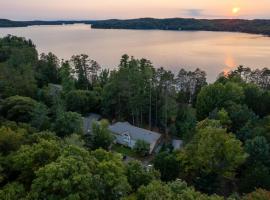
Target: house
{"x":88,"y":122}
{"x":127,"y":135}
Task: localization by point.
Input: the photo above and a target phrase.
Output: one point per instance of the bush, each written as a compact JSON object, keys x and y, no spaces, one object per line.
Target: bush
{"x":10,"y":140}
{"x":142,"y":148}
{"x":259,"y":194}
{"x":18,"y":108}
{"x":101,"y":136}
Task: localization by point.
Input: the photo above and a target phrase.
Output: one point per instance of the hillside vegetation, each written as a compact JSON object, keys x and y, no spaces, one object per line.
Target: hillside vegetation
{"x":44,"y":153}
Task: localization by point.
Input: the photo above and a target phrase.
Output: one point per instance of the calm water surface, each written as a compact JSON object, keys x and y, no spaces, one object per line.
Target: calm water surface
{"x":213,"y":52}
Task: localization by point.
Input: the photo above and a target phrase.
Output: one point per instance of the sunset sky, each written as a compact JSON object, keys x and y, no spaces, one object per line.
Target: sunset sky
{"x":104,"y":9}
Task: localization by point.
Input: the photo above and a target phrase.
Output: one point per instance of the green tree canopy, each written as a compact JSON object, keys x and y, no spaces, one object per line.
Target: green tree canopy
{"x":141,"y":147}
{"x":13,"y":191}
{"x":47,"y":69}
{"x":110,"y":180}
{"x":75,"y":140}
{"x":168,"y":165}
{"x":66,"y":178}
{"x":66,"y":77}
{"x":213,"y":150}
{"x":259,"y":194}
{"x":17,"y":58}
{"x":101,"y":137}
{"x":258,"y":149}
{"x":39,"y":117}
{"x":29,"y":158}
{"x":138,"y":175}
{"x":11,"y":140}
{"x":18,"y":108}
{"x":185,"y":122}
{"x":177,"y":190}
{"x":217,"y":95}
{"x":67,"y":123}
{"x":86,"y":70}
{"x":155,"y":191}
{"x":82,"y":101}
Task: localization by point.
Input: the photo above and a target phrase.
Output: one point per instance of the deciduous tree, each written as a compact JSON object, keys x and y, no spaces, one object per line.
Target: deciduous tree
{"x":67,"y":123}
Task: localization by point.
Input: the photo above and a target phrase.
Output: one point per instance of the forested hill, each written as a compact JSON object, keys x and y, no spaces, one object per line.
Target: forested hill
{"x":258,"y":26}
{"x":232,"y":25}
{"x":10,"y":23}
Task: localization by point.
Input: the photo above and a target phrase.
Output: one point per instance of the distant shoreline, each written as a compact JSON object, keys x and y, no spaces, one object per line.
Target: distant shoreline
{"x":256,"y":26}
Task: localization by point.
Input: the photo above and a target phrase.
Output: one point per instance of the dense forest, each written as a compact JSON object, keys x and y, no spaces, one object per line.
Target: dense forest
{"x":258,"y":26}
{"x":232,"y":25}
{"x":44,"y":154}
{"x":11,"y":23}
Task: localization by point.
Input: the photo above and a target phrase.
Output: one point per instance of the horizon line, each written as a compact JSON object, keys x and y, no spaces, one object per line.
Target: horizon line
{"x":234,"y":18}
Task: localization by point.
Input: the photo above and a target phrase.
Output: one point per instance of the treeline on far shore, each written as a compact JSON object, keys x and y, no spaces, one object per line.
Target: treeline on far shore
{"x":256,"y":26}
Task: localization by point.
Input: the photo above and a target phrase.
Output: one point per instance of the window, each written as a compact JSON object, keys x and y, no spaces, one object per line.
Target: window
{"x":126,"y":137}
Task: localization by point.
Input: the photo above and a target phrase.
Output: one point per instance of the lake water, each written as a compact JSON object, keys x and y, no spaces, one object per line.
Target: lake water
{"x":213,"y":52}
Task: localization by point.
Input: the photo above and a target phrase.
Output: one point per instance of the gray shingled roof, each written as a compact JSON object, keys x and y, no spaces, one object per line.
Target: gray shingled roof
{"x":135,"y":132}
{"x":88,"y":122}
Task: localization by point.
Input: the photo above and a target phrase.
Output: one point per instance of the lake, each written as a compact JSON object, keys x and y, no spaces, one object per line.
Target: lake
{"x":213,"y":52}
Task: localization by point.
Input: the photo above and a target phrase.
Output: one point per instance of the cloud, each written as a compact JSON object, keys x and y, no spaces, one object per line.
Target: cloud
{"x":200,"y":13}
{"x":193,"y":12}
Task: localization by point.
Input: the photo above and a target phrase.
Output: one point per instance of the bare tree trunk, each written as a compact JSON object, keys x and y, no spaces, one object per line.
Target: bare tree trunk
{"x":141,"y":117}
{"x":166,"y":113}
{"x":137,"y":117}
{"x":119,"y":106}
{"x":86,"y":76}
{"x":156,"y":110}
{"x":133,"y":120}
{"x":150,"y":107}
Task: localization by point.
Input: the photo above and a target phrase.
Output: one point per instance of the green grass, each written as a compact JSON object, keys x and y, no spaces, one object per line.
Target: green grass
{"x":124,"y":150}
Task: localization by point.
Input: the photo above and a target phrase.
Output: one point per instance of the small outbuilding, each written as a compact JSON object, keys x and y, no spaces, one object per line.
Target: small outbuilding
{"x":177,"y":144}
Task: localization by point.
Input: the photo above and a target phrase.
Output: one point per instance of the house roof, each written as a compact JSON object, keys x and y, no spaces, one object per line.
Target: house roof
{"x":55,"y":89}
{"x":135,"y":133}
{"x":88,"y":122}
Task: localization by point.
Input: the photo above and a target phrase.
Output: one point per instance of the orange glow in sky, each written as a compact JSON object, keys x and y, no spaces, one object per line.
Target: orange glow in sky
{"x":123,"y":9}
{"x":235,"y":10}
